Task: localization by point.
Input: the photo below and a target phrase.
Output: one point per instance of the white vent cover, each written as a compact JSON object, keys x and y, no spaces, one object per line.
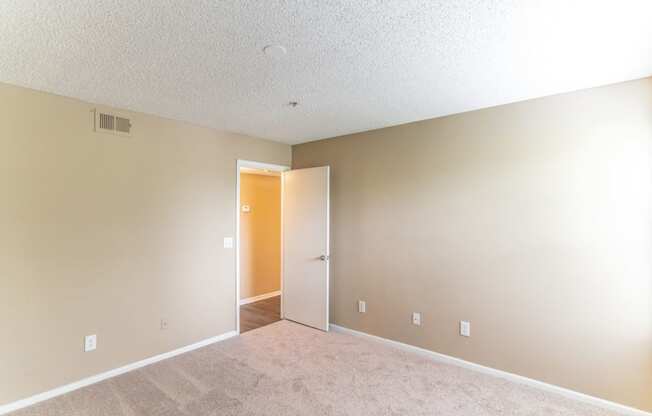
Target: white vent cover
{"x":104,"y":122}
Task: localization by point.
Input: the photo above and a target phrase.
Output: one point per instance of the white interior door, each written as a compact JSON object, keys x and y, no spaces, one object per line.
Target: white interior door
{"x":305,"y":246}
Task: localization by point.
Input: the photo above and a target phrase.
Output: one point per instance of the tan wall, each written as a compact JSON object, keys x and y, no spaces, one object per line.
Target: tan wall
{"x":260,"y":235}
{"x":107,"y":235}
{"x":531,"y":220}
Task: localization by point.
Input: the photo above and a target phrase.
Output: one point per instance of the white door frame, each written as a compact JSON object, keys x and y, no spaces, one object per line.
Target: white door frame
{"x":261,"y":166}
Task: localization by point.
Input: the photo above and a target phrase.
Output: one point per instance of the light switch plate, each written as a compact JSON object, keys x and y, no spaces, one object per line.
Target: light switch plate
{"x":465,"y":328}
{"x":90,"y":343}
{"x":416,"y":318}
{"x":362,"y":306}
{"x":228,"y":242}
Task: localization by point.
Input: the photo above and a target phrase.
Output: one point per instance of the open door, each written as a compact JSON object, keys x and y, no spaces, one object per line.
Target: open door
{"x":305,"y":202}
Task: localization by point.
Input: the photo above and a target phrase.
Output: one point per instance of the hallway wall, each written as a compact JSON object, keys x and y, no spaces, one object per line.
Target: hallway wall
{"x":260,"y":235}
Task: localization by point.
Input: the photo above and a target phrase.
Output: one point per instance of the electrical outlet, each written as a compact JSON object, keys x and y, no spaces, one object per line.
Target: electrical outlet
{"x":164,"y":324}
{"x":362,"y":306}
{"x":465,"y":328}
{"x":90,"y":343}
{"x":416,"y":318}
{"x":228,"y":242}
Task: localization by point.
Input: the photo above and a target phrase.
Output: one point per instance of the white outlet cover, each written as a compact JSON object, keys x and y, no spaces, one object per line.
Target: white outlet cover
{"x":90,"y":343}
{"x":416,"y":318}
{"x":362,"y":306}
{"x":228,"y":242}
{"x":465,"y":328}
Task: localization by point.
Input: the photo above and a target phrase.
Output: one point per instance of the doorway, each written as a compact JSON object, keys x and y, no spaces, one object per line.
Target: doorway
{"x":259,"y":246}
{"x":282,"y":245}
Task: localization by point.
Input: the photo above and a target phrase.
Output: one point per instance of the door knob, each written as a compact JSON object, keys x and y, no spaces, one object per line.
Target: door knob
{"x":323,"y":257}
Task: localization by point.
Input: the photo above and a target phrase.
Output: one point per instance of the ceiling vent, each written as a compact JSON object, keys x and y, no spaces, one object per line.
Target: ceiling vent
{"x":104,"y":122}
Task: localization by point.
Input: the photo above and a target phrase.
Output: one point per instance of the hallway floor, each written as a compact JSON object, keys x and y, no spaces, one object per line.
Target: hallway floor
{"x":261,"y":313}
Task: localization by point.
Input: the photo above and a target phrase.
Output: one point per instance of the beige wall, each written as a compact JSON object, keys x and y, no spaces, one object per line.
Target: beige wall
{"x":260,"y":235}
{"x":531,"y":220}
{"x":107,"y":235}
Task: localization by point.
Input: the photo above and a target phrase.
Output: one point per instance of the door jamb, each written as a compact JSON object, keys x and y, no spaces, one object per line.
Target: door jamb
{"x":262,"y":166}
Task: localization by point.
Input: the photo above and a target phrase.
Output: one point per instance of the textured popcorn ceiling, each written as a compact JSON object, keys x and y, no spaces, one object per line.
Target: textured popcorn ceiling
{"x":352,"y":65}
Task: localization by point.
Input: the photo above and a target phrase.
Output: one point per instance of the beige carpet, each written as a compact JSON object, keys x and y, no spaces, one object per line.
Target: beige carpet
{"x":288,"y":369}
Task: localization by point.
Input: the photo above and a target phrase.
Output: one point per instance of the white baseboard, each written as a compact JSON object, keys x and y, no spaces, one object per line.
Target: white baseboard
{"x":4,"y":409}
{"x":602,"y":403}
{"x":260,"y":297}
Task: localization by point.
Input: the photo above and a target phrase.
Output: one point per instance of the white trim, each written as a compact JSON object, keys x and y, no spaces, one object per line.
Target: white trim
{"x":571,"y":394}
{"x":282,"y":242}
{"x":261,"y":165}
{"x":4,"y":409}
{"x":240,"y":163}
{"x":328,"y":247}
{"x":264,"y":296}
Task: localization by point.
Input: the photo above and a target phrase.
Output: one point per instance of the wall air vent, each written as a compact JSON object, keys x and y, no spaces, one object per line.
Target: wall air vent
{"x":122,"y":125}
{"x":104,"y":122}
{"x":107,"y":121}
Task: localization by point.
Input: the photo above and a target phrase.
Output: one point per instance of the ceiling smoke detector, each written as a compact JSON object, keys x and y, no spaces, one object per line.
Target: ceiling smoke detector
{"x":275,"y":51}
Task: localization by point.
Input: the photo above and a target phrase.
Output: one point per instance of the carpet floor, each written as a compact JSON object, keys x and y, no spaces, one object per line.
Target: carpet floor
{"x":288,"y":369}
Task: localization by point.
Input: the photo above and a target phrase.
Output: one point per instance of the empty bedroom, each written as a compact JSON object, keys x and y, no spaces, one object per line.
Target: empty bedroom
{"x":398,"y":207}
